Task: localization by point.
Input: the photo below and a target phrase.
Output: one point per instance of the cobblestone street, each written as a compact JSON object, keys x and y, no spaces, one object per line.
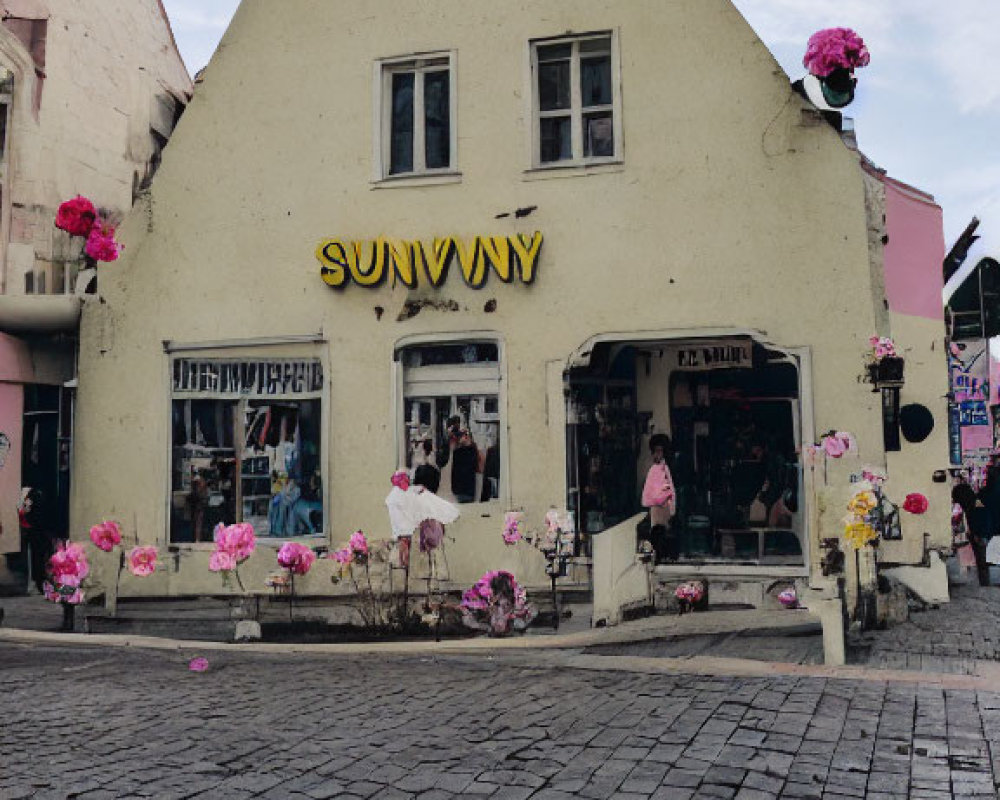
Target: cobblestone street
{"x":101,"y":723}
{"x":958,"y":637}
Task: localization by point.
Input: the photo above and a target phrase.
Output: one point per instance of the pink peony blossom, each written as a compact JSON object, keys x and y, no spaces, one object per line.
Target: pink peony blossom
{"x":296,"y":558}
{"x":66,"y":570}
{"x":142,"y":561}
{"x":342,"y":556}
{"x":198,"y":664}
{"x":236,"y":540}
{"x":101,"y":244}
{"x":401,"y":479}
{"x":76,"y":216}
{"x":835,"y":48}
{"x":834,"y":447}
{"x":358,"y":543}
{"x":512,"y":527}
{"x":106,"y":535}
{"x":221,"y":561}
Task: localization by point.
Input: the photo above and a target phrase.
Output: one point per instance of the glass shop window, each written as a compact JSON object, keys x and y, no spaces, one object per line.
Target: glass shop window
{"x":452,"y":419}
{"x":418,"y":116}
{"x":253,"y":459}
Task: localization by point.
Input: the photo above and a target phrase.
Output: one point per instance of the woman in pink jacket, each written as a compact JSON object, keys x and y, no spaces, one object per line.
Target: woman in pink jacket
{"x":658,"y":495}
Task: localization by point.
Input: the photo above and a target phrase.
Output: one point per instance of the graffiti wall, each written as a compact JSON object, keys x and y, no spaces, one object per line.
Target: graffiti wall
{"x":970,"y":424}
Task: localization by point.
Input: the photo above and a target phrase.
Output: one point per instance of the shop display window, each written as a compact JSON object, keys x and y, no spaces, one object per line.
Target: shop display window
{"x":730,"y":410}
{"x":242,"y":458}
{"x":451,"y":424}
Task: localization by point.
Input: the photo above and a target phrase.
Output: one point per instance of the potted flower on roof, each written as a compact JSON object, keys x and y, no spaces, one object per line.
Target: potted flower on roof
{"x":832,"y":55}
{"x":884,"y":365}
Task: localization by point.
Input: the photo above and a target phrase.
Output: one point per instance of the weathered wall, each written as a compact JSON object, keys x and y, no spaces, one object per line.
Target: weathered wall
{"x":112,"y":74}
{"x":734,"y":206}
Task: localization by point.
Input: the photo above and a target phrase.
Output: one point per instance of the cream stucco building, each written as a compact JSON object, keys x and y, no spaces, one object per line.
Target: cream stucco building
{"x":563,"y":227}
{"x":90,"y":91}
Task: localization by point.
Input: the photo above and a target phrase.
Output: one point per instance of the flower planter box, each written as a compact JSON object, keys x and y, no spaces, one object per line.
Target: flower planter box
{"x":887,"y":372}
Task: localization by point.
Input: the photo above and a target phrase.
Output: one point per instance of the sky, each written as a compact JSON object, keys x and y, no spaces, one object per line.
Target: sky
{"x":927,"y":108}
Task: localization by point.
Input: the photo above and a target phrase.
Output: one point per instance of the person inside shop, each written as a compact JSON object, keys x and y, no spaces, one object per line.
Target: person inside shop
{"x":464,"y":466}
{"x":427,"y":474}
{"x":976,"y":523}
{"x":36,"y":533}
{"x":659,"y":496}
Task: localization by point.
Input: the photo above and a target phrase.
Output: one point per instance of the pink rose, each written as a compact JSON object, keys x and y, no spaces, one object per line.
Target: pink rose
{"x":198,"y":664}
{"x":142,"y":561}
{"x":296,"y":558}
{"x":221,"y":561}
{"x":106,"y":535}
{"x":342,"y":556}
{"x":915,"y":503}
{"x":358,"y":543}
{"x":76,"y":216}
{"x":834,"y":447}
{"x":101,"y":244}
{"x":401,"y":480}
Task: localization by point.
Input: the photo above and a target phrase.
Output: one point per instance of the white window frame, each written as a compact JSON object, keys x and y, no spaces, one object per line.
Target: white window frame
{"x":419,"y":64}
{"x":576,"y":102}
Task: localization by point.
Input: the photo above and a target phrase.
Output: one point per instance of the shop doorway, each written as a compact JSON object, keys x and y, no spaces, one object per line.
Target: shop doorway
{"x":732,"y":411}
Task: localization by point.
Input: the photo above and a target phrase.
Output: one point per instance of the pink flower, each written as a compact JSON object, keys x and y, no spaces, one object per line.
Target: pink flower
{"x":401,"y":479}
{"x":74,"y":599}
{"x":69,"y":562}
{"x":198,"y":664}
{"x":142,"y":561}
{"x":236,"y":540}
{"x":221,"y":561}
{"x":690,"y":592}
{"x":915,"y":503}
{"x":834,"y":48}
{"x":788,"y":598}
{"x":342,"y":556}
{"x":512,"y":527}
{"x":296,"y":558}
{"x":76,"y":216}
{"x":106,"y":535}
{"x":848,"y":441}
{"x":833,"y":446}
{"x":101,"y":244}
{"x":358,"y":543}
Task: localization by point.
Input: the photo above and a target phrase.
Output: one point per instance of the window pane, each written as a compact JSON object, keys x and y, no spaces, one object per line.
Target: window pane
{"x":602,"y":46}
{"x":437,"y":117}
{"x":595,"y":81}
{"x":598,"y":135}
{"x":203,"y":484}
{"x":454,"y":445}
{"x":556,"y":139}
{"x":401,"y":145}
{"x":279,"y":468}
{"x":553,"y":85}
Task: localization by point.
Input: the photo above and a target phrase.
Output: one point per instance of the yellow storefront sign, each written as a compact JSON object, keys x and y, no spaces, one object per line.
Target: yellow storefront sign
{"x":413,"y":262}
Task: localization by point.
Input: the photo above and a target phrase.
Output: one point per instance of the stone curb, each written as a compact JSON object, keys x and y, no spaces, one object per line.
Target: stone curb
{"x":701,"y":665}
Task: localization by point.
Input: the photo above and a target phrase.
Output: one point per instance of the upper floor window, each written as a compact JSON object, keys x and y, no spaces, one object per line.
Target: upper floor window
{"x":577,"y":106}
{"x":417,"y":125}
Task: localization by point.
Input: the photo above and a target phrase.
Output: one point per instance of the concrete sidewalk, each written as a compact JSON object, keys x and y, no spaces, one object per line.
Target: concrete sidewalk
{"x":638,"y":646}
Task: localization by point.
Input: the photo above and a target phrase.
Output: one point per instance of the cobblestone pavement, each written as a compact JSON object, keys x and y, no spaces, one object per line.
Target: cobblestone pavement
{"x":949,"y":638}
{"x":788,"y":646}
{"x":99,"y":723}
